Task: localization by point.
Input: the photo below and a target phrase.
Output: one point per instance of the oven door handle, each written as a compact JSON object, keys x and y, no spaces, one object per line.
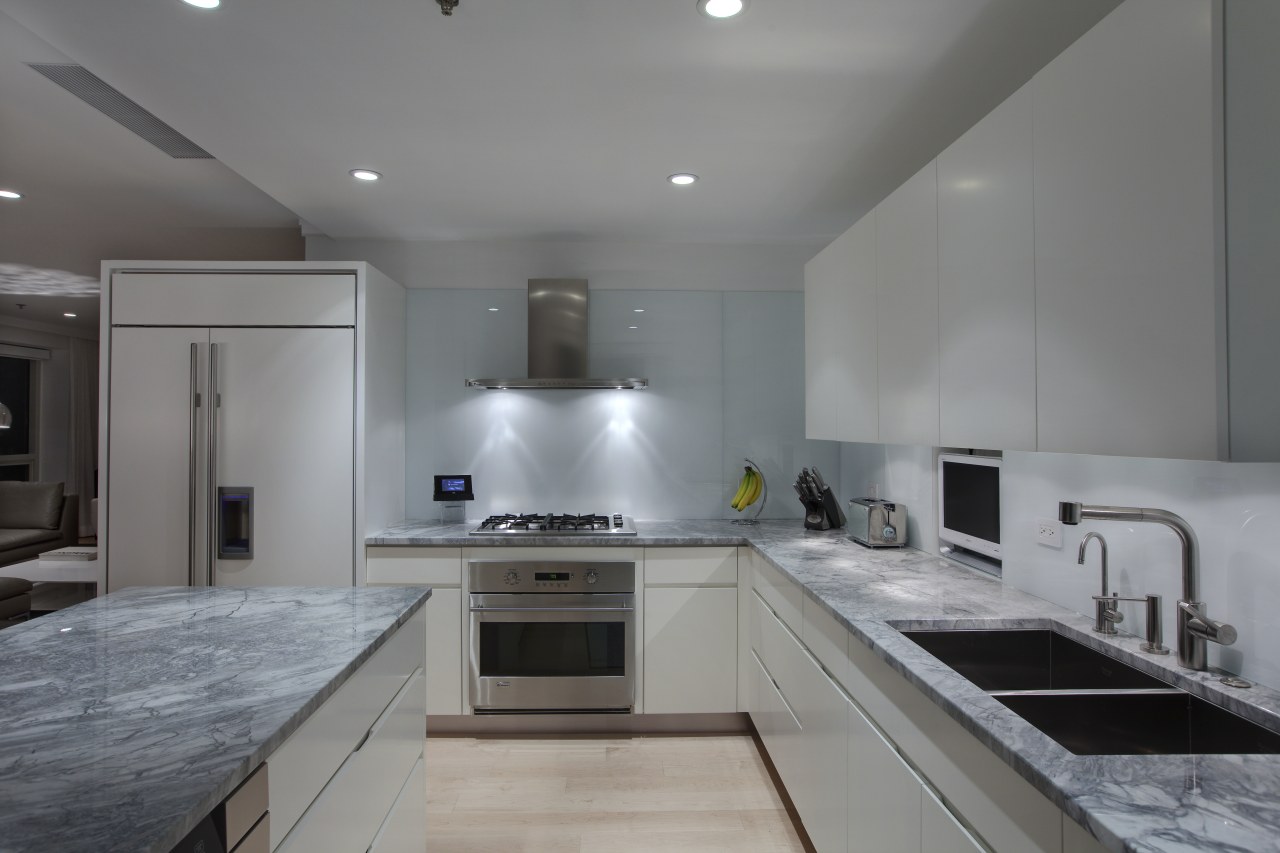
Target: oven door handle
{"x":482,"y":609}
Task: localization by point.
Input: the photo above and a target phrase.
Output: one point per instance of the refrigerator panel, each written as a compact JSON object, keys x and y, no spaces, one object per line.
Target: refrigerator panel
{"x":156,"y":476}
{"x":285,"y":429}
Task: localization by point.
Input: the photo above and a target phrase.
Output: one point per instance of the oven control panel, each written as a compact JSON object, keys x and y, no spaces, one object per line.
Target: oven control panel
{"x":510,"y":576}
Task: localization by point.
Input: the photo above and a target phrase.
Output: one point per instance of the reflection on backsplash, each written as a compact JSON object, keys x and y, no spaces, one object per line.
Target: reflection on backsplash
{"x":726,"y":381}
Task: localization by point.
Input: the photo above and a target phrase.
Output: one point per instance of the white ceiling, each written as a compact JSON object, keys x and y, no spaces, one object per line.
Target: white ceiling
{"x":548,"y":119}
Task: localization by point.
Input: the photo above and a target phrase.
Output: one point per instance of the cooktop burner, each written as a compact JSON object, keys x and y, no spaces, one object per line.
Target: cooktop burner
{"x":556,"y":525}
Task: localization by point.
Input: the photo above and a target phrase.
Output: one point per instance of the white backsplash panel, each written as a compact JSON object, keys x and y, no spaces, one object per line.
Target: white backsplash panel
{"x":726,"y":381}
{"x":1234,"y":509}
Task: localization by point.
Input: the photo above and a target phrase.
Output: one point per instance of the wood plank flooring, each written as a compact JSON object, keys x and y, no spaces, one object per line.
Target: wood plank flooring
{"x":603,"y":795}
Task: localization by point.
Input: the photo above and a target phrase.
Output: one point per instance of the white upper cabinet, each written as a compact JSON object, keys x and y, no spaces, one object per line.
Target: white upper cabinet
{"x":840,"y":338}
{"x":907,"y":310}
{"x":233,"y":298}
{"x":1127,"y":350}
{"x":986,"y":283}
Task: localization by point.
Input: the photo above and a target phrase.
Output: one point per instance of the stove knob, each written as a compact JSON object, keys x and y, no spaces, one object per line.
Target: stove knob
{"x":592,"y":576}
{"x":512,"y":578}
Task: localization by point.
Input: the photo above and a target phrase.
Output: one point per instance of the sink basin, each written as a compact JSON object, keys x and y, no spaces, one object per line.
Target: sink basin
{"x":1166,"y":722}
{"x":1037,"y":659}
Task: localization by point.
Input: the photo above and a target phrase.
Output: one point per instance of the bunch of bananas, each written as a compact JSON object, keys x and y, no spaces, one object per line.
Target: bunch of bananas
{"x":748,"y":490}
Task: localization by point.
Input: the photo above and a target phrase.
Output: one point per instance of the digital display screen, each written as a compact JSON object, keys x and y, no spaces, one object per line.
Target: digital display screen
{"x":552,"y":576}
{"x":971,"y":500}
{"x":452,"y":488}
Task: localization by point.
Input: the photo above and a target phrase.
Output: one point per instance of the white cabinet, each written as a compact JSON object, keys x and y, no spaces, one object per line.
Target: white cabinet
{"x":401,"y":832}
{"x":821,"y":792}
{"x":940,"y":832}
{"x":986,"y":283}
{"x":884,"y":794}
{"x":841,"y":338}
{"x":1127,"y":350}
{"x":335,"y":780}
{"x":907,"y":310}
{"x":690,"y":630}
{"x":441,"y":569}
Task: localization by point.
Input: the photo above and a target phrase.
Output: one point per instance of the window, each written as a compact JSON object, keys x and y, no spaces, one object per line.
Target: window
{"x":19,"y":382}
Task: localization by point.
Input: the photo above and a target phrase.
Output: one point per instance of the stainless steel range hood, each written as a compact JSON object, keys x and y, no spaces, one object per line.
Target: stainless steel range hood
{"x":558,"y":341}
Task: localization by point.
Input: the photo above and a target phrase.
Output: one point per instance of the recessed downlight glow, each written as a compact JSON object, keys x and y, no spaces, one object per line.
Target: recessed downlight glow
{"x":493,"y":309}
{"x":682,"y":179}
{"x":633,"y":327}
{"x":10,"y":194}
{"x":638,"y":310}
{"x":365,"y":174}
{"x":68,"y":314}
{"x":721,"y":8}
{"x":204,"y":4}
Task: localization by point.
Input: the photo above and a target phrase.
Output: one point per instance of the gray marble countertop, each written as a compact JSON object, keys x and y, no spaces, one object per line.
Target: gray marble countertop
{"x":1129,"y":803}
{"x":126,"y":719}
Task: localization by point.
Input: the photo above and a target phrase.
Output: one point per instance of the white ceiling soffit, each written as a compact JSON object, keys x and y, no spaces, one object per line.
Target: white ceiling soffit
{"x":562,"y":118}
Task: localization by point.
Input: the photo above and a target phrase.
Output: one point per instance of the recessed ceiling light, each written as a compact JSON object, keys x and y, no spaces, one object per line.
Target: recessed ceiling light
{"x":638,"y":310}
{"x":721,"y":8}
{"x":493,"y":309}
{"x":365,"y":174}
{"x":682,"y":179}
{"x":204,"y":4}
{"x":633,"y":327}
{"x":68,"y":314}
{"x":10,"y":194}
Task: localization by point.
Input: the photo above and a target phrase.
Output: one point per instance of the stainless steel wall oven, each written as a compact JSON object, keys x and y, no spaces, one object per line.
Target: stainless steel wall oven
{"x":552,"y":637}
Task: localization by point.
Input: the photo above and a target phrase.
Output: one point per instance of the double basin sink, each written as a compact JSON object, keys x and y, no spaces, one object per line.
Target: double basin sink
{"x":1089,"y":702}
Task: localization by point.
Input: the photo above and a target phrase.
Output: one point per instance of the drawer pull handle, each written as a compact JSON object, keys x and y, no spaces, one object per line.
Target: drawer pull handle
{"x":389,"y":710}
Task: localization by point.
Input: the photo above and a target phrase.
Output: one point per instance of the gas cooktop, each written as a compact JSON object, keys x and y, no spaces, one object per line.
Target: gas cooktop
{"x":550,"y":524}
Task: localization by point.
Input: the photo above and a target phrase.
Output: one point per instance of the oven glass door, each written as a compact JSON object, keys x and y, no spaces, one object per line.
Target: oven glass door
{"x":555,"y":653}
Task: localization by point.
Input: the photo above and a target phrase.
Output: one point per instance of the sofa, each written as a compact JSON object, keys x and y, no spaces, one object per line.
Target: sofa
{"x":34,"y":518}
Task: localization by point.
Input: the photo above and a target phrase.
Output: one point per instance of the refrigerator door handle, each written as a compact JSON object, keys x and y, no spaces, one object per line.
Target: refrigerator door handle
{"x":193,"y":439}
{"x":215,"y":403}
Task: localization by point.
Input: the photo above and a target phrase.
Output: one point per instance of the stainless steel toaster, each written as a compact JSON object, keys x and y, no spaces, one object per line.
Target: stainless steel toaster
{"x":877,"y":524}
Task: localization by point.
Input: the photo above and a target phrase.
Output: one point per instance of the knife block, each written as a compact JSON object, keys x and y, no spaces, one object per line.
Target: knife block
{"x":824,"y":514}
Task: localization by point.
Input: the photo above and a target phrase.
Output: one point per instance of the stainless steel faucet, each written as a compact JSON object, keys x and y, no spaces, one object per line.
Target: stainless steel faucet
{"x":1195,"y":628}
{"x":1106,"y":613}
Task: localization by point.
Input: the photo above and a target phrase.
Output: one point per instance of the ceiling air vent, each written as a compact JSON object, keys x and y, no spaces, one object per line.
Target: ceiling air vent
{"x":95,"y":92}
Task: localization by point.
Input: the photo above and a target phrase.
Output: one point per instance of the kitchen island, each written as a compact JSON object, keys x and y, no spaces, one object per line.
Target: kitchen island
{"x":1126,"y":802}
{"x":125,"y":720}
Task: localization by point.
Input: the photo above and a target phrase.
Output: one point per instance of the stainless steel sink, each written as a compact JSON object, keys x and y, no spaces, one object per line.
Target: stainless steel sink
{"x":1089,"y":702}
{"x":1028,"y":660}
{"x":1167,"y":722}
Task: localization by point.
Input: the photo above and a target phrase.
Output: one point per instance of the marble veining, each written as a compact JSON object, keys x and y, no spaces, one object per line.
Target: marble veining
{"x":125,"y":720}
{"x":1129,"y":803}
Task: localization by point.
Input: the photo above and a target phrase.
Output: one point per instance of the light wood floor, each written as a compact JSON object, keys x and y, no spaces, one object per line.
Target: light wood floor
{"x":603,"y":795}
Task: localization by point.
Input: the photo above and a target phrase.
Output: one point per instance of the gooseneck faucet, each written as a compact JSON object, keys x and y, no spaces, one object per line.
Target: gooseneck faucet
{"x":1106,"y":614}
{"x":1195,"y":628}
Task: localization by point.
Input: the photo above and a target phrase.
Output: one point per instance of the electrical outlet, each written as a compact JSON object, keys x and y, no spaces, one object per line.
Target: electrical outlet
{"x":1049,"y":532}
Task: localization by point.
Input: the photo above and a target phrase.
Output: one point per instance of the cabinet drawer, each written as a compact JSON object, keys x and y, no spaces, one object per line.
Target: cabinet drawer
{"x":782,"y":594}
{"x":405,"y":829}
{"x":700,"y":566}
{"x":781,"y":653}
{"x":414,"y":566}
{"x":826,"y":639}
{"x":312,"y":754}
{"x":778,"y":727}
{"x":353,"y":805}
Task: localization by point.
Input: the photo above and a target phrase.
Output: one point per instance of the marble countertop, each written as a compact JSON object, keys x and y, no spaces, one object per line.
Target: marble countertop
{"x":1129,"y":803}
{"x":126,"y":719}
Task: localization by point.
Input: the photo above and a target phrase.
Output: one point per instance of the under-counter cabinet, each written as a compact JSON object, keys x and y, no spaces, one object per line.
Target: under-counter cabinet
{"x":440,"y":569}
{"x":351,"y":773}
{"x":690,"y":630}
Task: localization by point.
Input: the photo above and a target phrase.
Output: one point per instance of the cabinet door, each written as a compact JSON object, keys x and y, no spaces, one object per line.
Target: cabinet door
{"x":233,"y":299}
{"x":156,"y":511}
{"x":907,"y":310}
{"x":405,"y":829}
{"x":690,"y":650}
{"x":1127,"y":353}
{"x":840,"y":338}
{"x":444,"y":651}
{"x":821,"y":792}
{"x":986,"y":283}
{"x":884,"y":794}
{"x":777,"y":725}
{"x":940,"y":832}
{"x":286,"y":429}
